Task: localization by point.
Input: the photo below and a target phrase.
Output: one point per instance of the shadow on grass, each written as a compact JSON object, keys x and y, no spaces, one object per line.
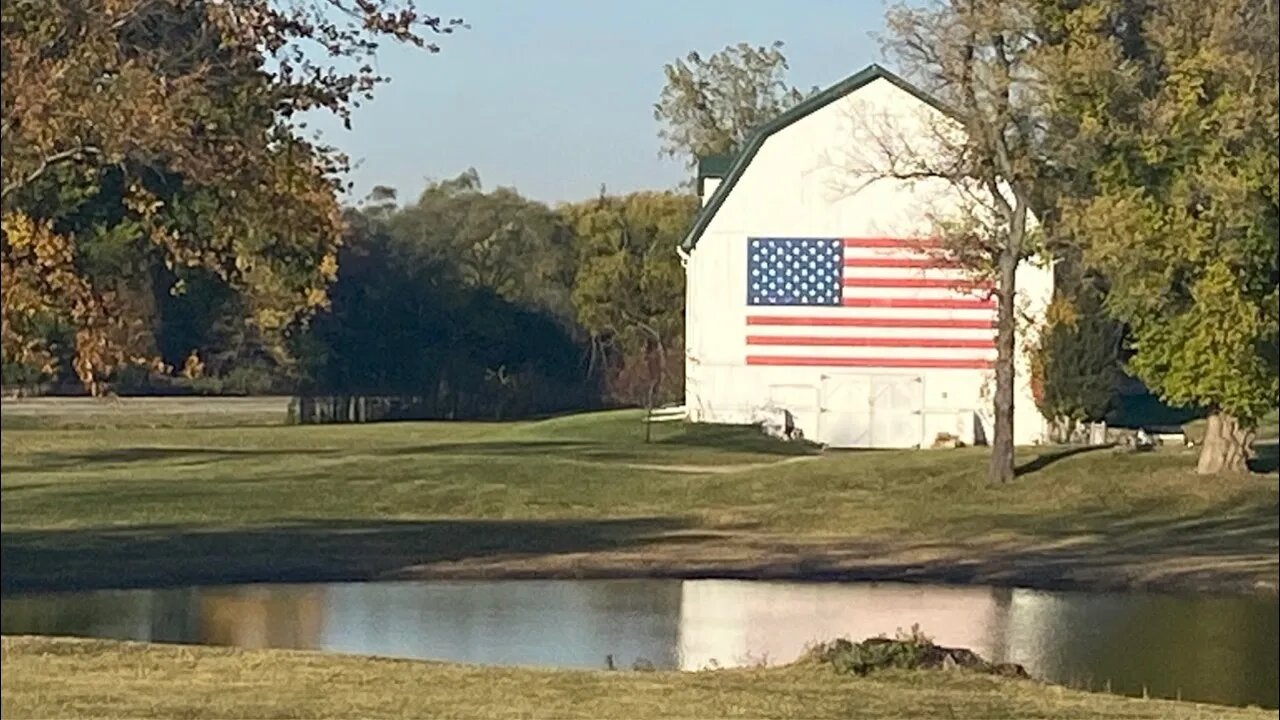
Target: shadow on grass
{"x":1266,"y":457}
{"x":725,"y":439}
{"x":177,"y":456}
{"x":736,"y":438}
{"x":1044,"y":460}
{"x":309,"y":551}
{"x":1226,"y":548}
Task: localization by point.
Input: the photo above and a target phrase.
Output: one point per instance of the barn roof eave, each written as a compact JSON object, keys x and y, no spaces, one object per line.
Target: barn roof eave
{"x":803,"y":109}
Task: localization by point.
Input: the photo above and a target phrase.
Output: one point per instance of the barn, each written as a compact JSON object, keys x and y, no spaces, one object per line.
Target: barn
{"x":808,"y":288}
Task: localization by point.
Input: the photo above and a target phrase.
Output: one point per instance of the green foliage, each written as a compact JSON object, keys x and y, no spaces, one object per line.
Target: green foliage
{"x":1077,"y":359}
{"x":517,"y":248}
{"x":430,"y":305}
{"x":1169,"y":112}
{"x":907,"y":651}
{"x":628,"y":291}
{"x":710,"y":106}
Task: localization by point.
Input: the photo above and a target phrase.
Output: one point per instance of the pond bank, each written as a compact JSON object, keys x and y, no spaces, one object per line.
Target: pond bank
{"x":111,"y":558}
{"x":101,"y":679}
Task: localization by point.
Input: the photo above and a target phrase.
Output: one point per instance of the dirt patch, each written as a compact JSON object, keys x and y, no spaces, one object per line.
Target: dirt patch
{"x":1062,"y":566}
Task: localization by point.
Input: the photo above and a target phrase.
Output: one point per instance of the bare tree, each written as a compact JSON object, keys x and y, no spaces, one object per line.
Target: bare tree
{"x":975,"y":57}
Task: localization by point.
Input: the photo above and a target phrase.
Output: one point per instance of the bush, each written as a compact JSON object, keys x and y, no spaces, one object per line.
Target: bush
{"x":1076,"y":362}
{"x":909,"y":651}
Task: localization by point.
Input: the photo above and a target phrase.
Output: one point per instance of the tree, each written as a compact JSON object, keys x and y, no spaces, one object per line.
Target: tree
{"x":179,"y":119}
{"x":518,"y":248}
{"x":710,"y":106}
{"x":628,"y":292}
{"x":411,"y":325}
{"x":1169,"y":111}
{"x":977,"y":58}
{"x":1076,"y":363}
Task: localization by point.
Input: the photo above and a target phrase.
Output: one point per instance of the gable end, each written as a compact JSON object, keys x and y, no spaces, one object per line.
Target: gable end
{"x":809,"y":106}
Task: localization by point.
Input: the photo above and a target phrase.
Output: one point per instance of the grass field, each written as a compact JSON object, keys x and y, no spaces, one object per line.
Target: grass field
{"x":151,"y":494}
{"x":585,"y":496}
{"x":99,"y":679}
{"x":48,"y":413}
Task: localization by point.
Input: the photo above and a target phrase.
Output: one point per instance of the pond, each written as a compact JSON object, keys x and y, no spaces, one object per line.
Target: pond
{"x":1212,"y":649}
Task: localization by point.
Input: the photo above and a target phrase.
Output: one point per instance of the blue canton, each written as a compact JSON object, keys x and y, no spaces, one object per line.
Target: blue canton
{"x":794,"y":271}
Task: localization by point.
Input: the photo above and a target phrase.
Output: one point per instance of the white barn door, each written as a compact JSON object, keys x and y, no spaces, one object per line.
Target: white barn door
{"x":844,"y":418}
{"x":871,"y":411}
{"x":897,"y":402}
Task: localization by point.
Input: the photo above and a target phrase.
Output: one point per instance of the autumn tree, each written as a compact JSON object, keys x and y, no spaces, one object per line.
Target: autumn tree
{"x":628,"y":292}
{"x":178,"y":122}
{"x":977,"y":59}
{"x":710,"y":105}
{"x":1168,"y":111}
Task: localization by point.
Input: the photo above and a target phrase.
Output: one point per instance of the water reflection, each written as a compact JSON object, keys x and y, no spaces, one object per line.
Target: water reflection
{"x":1203,"y":648}
{"x":734,"y":623}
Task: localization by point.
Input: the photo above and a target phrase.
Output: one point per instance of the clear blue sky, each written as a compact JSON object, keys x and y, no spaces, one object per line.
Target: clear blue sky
{"x":555,"y":97}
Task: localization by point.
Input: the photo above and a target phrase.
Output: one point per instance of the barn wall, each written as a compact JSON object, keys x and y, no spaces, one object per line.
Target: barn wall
{"x":803,"y":182}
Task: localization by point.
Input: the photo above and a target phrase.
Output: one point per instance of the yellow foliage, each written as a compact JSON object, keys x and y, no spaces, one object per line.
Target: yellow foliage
{"x":193,"y":367}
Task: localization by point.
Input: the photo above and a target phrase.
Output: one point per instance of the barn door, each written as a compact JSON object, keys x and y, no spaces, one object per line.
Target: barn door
{"x":897,"y":402}
{"x":844,"y":418}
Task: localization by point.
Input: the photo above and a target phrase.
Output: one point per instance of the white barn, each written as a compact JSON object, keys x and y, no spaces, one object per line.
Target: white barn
{"x":805,"y":295}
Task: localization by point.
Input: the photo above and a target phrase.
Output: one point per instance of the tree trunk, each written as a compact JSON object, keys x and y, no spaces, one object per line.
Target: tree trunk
{"x":648,"y":415}
{"x":1227,"y":447}
{"x":1001,"y":468}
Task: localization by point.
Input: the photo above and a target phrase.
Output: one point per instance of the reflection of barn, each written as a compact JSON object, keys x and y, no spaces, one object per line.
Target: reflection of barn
{"x":263,"y":617}
{"x":730,"y":623}
{"x":806,"y":296}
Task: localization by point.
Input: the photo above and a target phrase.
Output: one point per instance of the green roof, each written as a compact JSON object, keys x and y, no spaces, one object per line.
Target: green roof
{"x":715,"y":165}
{"x":712,"y":166}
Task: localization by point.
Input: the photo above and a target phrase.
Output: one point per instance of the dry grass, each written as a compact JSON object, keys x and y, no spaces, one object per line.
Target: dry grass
{"x":48,"y":678}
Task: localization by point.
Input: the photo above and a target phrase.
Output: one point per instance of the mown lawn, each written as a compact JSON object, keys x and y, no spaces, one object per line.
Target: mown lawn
{"x":584,"y":495}
{"x":65,"y":678}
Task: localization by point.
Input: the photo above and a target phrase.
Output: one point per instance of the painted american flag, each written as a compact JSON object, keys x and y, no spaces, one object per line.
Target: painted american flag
{"x":863,"y":302}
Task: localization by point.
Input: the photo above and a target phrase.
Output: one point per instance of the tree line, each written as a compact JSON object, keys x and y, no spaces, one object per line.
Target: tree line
{"x":473,"y":303}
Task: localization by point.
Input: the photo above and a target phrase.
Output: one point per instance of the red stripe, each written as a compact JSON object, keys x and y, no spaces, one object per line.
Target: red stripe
{"x":898,"y":262}
{"x":884,"y":242}
{"x":881,"y":322}
{"x":933,"y":363}
{"x":880,"y":342}
{"x":882,"y":282}
{"x":920,"y":303}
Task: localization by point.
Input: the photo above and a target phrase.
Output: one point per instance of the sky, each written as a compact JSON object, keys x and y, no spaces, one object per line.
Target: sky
{"x":556,"y":97}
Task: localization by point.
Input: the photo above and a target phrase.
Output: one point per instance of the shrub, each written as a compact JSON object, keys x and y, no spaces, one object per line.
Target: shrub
{"x":907,"y":651}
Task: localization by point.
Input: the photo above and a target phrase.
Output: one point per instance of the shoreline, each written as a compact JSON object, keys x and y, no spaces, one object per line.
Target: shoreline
{"x":1173,"y":575}
{"x":169,"y":680}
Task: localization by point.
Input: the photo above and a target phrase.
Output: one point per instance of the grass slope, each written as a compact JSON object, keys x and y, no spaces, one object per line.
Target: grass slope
{"x":584,"y":495}
{"x":102,"y":679}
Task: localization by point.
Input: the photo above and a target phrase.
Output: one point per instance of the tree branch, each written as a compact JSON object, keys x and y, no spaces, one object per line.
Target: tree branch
{"x":48,"y":162}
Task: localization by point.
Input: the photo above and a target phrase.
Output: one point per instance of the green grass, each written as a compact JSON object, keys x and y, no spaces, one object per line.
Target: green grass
{"x":100,"y":679}
{"x":584,"y":495}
